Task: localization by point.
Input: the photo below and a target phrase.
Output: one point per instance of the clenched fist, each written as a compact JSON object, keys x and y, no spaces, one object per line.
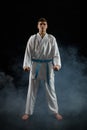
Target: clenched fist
{"x":56,"y":67}
{"x":26,"y":68}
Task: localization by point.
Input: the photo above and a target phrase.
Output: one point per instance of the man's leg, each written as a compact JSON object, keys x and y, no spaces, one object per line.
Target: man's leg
{"x":31,"y":97}
{"x":52,"y":98}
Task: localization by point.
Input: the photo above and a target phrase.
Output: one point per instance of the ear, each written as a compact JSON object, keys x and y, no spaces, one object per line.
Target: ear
{"x":37,"y":26}
{"x":47,"y":26}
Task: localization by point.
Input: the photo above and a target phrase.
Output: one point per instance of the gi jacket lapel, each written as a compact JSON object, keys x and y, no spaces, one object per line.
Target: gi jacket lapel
{"x":41,"y":44}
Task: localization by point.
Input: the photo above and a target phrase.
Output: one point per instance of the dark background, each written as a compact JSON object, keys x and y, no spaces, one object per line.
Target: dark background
{"x":18,"y":23}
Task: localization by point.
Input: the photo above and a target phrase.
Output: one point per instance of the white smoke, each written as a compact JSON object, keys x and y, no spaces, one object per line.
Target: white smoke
{"x":71,"y":90}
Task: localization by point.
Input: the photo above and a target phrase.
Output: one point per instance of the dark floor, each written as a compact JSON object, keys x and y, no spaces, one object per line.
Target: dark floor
{"x":13,"y":106}
{"x":12,"y":121}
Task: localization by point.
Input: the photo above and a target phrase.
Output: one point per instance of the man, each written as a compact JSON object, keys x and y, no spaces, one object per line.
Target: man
{"x":41,"y":59}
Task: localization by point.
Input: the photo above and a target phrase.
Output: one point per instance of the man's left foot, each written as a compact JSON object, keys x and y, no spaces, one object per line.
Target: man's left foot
{"x":58,"y":116}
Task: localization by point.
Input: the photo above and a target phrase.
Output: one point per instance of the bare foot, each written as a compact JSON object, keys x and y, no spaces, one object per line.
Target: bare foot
{"x":25,"y":116}
{"x":58,"y":116}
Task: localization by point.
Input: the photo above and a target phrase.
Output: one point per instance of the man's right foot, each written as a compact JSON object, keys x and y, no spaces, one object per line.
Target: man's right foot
{"x":58,"y":116}
{"x":25,"y":116}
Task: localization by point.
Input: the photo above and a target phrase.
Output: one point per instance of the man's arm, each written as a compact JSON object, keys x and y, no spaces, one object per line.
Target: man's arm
{"x":27,"y":57}
{"x":56,"y":57}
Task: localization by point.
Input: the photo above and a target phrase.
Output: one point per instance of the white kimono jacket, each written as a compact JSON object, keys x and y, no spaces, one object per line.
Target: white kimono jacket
{"x":41,"y":48}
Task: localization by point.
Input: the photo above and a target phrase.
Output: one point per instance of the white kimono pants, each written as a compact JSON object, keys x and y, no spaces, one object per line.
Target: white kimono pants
{"x":32,"y":93}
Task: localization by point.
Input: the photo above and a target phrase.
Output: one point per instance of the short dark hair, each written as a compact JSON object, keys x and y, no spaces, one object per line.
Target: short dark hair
{"x":42,"y":19}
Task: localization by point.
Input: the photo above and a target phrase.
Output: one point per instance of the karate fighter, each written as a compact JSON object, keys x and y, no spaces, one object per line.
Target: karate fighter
{"x":41,"y":58}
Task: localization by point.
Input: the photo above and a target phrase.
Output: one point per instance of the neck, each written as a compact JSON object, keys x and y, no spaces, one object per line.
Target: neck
{"x":42,"y":34}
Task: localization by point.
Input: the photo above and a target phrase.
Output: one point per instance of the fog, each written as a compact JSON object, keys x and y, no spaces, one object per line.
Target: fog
{"x":71,"y":90}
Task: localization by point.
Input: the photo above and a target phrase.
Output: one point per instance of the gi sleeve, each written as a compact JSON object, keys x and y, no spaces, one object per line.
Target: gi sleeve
{"x":27,"y":55}
{"x":56,"y":54}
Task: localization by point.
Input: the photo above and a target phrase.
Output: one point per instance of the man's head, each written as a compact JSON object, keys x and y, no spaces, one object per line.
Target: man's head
{"x":42,"y":25}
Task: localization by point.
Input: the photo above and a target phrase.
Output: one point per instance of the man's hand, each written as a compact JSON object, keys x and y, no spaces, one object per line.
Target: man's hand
{"x":56,"y":67}
{"x":26,"y":68}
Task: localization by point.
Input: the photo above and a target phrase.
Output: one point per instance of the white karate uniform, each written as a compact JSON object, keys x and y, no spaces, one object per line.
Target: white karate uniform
{"x":43,"y":49}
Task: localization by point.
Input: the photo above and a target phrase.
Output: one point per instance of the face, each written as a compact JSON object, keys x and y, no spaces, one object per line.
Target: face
{"x":42,"y":26}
